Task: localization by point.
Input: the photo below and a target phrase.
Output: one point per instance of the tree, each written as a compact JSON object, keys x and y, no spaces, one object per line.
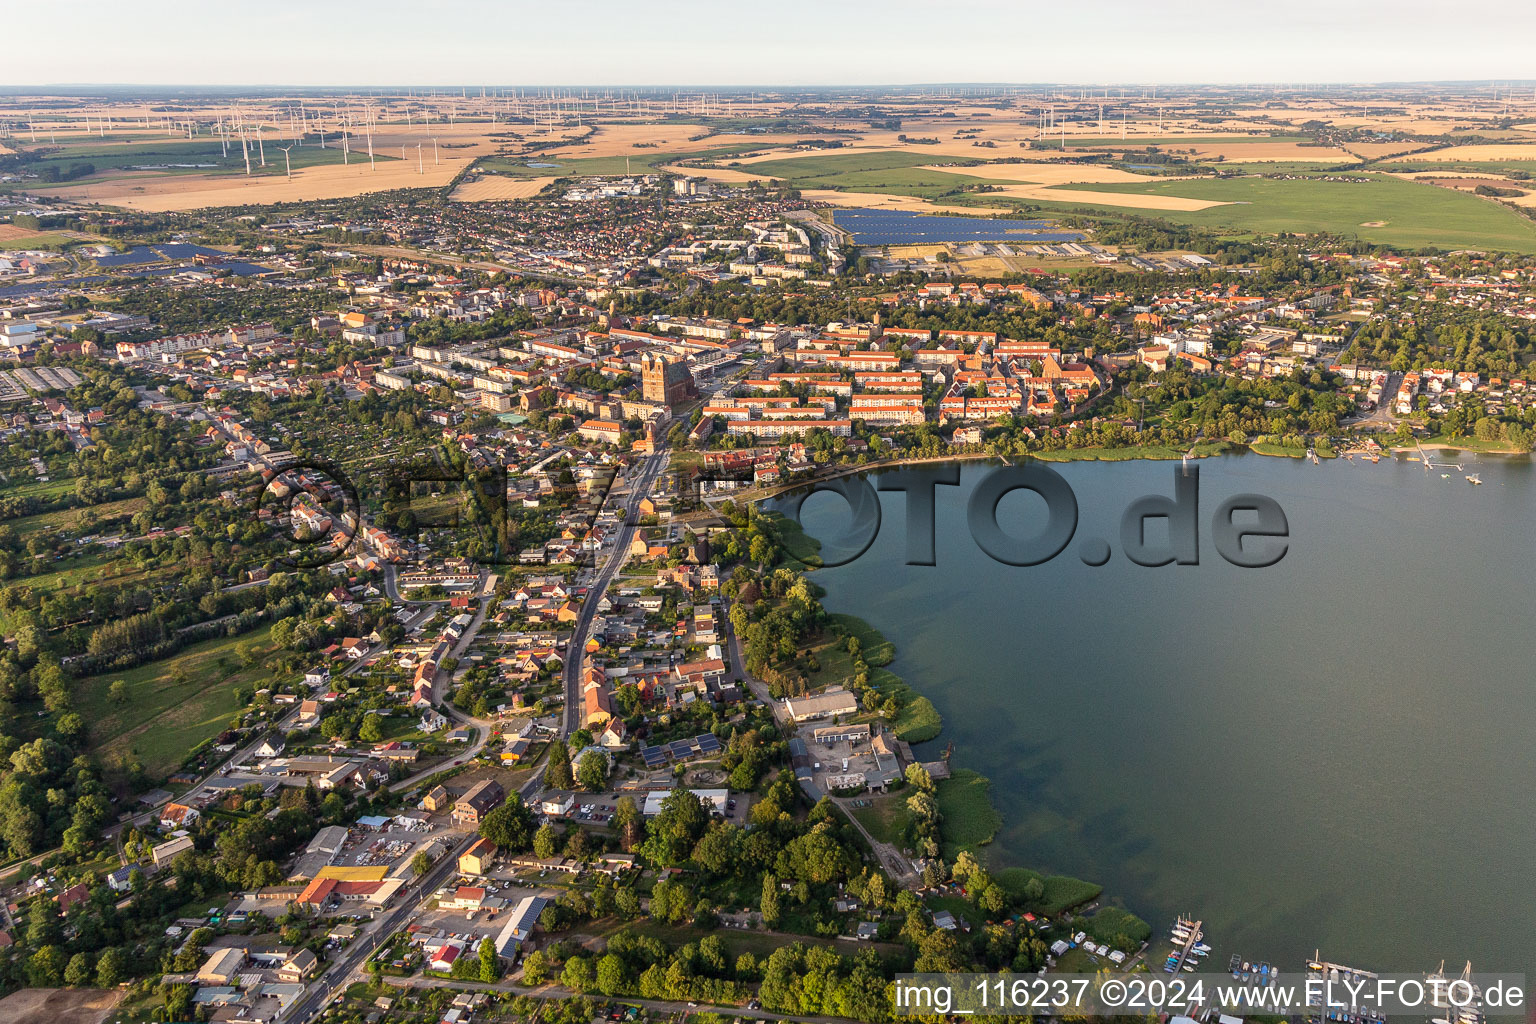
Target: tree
{"x":677,"y":826}
{"x":43,"y":926}
{"x":509,"y":826}
{"x":111,"y":968}
{"x":612,"y":975}
{"x":577,"y":975}
{"x":45,"y":968}
{"x":78,"y":973}
{"x":536,"y":968}
{"x":719,"y":850}
{"x":557,"y":774}
{"x":769,"y":903}
{"x":490,"y":963}
{"x":592,"y":771}
{"x":370,"y":731}
{"x":117,"y":693}
{"x":421,"y":863}
{"x":545,"y":840}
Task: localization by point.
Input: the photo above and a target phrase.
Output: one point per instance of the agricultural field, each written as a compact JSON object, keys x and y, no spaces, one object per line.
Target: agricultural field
{"x":498,"y":187}
{"x":1385,"y":209}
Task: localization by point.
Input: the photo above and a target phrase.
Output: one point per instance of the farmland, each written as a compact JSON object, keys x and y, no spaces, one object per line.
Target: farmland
{"x":1384,"y":209}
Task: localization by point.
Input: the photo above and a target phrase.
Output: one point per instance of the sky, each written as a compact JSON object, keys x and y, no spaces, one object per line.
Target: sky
{"x":785,"y":42}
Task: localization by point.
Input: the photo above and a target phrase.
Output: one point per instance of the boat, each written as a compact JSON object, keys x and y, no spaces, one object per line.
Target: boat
{"x":1201,"y":948}
{"x":1472,"y":479}
{"x":1444,"y":475}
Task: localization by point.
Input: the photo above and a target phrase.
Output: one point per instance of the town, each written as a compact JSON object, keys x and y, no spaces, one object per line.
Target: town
{"x":397,"y":624}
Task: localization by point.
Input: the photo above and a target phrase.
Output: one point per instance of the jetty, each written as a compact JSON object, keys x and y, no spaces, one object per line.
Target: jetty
{"x":1429,"y":465}
{"x":1183,"y":947}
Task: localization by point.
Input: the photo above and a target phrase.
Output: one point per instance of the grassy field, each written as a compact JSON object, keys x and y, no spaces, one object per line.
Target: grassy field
{"x":877,"y":649}
{"x":1062,"y":892}
{"x":885,"y":818}
{"x":165,"y":718}
{"x":970,"y":820}
{"x":1428,"y":163}
{"x":41,"y":240}
{"x":833,"y":163}
{"x":1388,"y":210}
{"x":1175,"y":141}
{"x":70,"y":520}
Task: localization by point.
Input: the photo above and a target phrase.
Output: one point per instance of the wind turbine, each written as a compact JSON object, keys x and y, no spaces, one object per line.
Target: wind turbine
{"x":287,"y":167}
{"x":434,"y":151}
{"x":419,"y":168}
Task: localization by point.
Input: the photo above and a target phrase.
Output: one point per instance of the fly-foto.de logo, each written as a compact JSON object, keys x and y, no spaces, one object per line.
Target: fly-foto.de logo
{"x":1248,"y":530}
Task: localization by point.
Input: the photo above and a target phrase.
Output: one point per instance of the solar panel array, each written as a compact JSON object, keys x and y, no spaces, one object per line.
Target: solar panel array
{"x":904,"y":227}
{"x":681,"y":750}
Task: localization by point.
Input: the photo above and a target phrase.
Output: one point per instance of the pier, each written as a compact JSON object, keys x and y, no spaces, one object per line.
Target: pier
{"x":1181,"y":954}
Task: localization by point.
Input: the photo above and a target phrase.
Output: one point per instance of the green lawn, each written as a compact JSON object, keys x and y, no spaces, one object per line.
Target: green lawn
{"x":1427,"y":162}
{"x":164,"y":719}
{"x":970,"y":820}
{"x":1398,"y":212}
{"x":885,"y":818}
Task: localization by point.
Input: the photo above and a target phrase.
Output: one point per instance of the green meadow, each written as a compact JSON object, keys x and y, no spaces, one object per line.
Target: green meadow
{"x":174,"y":704}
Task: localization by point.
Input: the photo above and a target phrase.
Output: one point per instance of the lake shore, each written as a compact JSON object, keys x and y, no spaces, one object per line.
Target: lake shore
{"x":970,"y":819}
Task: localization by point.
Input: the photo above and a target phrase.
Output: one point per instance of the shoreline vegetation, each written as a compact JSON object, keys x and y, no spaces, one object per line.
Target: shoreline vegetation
{"x":970,"y":821}
{"x":1129,"y":453}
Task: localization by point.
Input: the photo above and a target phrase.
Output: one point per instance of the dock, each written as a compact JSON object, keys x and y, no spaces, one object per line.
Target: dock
{"x":1181,"y":954}
{"x":1428,"y":465}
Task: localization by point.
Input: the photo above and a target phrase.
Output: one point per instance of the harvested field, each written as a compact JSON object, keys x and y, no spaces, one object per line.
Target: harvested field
{"x":1041,"y":181}
{"x":881,"y":201}
{"x":195,"y":191}
{"x":1495,"y":151}
{"x":55,"y":1005}
{"x":492,"y":188}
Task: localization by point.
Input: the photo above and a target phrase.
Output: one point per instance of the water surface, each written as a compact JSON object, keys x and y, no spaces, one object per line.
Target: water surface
{"x":1337,"y":752}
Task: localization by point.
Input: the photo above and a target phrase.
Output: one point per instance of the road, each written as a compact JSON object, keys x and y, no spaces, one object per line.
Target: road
{"x":659,"y":1005}
{"x":640,"y":486}
{"x":326,"y":988}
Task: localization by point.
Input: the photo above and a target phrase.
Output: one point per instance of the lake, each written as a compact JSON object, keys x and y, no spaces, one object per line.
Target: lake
{"x":1334,"y":753}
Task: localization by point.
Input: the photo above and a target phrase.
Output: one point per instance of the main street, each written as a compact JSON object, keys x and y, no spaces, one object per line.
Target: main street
{"x":328,"y":986}
{"x":639,"y":487}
